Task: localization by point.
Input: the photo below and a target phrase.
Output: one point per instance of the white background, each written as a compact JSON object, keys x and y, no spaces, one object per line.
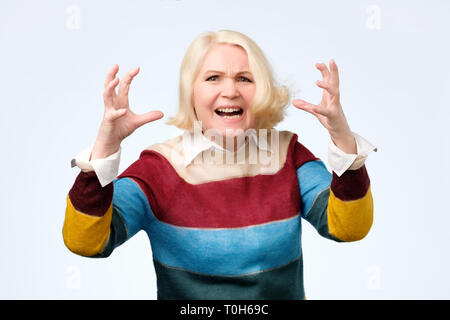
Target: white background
{"x":393,"y":58}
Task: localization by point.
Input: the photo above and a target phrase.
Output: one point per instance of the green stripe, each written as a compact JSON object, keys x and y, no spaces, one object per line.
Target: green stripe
{"x":284,"y":283}
{"x":117,"y":236}
{"x":317,"y":215}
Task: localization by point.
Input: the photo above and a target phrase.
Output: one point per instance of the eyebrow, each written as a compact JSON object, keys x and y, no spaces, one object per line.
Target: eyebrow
{"x":216,"y":71}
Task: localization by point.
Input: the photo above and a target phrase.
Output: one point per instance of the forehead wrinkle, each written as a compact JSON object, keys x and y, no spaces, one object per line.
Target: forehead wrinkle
{"x":221,"y":72}
{"x":222,"y":63}
{"x":229,"y":69}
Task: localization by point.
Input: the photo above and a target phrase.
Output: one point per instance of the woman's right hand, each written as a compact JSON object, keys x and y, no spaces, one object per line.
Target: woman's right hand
{"x":118,"y":120}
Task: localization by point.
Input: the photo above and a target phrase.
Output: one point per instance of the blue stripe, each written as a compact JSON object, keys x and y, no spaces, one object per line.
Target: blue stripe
{"x":313,"y":177}
{"x":235,"y":251}
{"x":213,"y":251}
{"x":132,"y":205}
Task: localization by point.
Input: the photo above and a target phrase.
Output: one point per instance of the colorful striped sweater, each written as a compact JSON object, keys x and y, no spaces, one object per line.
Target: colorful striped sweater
{"x":220,"y":231}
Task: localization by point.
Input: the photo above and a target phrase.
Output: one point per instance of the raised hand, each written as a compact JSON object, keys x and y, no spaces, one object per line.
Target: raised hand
{"x":329,"y":111}
{"x":118,"y":119}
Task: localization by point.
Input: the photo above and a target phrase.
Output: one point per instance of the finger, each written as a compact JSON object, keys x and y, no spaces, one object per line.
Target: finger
{"x":334,"y":74}
{"x":306,"y":106}
{"x":124,"y":86}
{"x":110,"y":93}
{"x":111,"y":74}
{"x":330,"y":88}
{"x":324,"y":70}
{"x":148,"y":117}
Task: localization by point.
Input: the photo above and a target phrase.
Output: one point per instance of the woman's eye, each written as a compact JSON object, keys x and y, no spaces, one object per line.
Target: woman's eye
{"x":245,"y":79}
{"x":210,"y":78}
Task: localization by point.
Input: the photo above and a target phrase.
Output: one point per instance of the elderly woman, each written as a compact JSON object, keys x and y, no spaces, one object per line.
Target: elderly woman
{"x":222,"y":203}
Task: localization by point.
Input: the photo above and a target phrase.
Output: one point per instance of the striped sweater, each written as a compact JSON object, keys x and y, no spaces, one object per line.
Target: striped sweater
{"x":220,"y":230}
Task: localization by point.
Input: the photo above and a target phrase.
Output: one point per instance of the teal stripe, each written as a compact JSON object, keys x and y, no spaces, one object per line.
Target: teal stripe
{"x":283,"y":283}
{"x":117,"y":236}
{"x":313,"y":177}
{"x":318,"y":216}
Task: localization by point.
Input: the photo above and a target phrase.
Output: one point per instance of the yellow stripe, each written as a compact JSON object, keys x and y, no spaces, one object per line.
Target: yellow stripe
{"x":350,"y":220}
{"x":84,"y":234}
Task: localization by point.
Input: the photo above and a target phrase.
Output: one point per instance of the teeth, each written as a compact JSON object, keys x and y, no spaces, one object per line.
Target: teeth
{"x":232,"y":117}
{"x":228,"y":109}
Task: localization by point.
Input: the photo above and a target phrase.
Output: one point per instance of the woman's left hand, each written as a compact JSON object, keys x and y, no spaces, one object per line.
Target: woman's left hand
{"x":329,"y":111}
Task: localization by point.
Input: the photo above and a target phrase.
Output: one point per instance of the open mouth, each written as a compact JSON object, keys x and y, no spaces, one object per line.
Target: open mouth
{"x":229,"y":113}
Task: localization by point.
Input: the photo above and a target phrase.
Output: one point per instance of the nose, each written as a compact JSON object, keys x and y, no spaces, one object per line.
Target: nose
{"x":229,"y":88}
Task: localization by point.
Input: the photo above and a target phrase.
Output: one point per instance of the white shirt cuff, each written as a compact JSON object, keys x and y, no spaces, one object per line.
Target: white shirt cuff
{"x":106,"y":169}
{"x":340,"y":161}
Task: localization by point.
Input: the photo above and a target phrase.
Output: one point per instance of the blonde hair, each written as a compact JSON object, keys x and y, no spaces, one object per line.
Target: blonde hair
{"x":269,"y":102}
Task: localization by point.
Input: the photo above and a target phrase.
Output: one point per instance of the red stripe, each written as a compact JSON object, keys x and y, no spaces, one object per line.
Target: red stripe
{"x":351,"y":185}
{"x":88,"y":196}
{"x":235,"y":202}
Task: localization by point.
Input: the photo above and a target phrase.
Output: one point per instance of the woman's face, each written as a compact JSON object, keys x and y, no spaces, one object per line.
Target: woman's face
{"x":224,"y":82}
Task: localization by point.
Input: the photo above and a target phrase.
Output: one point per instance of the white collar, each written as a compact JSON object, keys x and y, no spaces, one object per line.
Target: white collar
{"x":193,"y":147}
